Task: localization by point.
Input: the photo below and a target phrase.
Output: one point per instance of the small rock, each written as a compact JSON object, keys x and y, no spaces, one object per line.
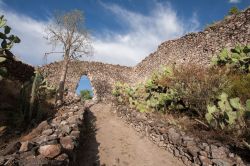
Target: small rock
{"x":176,"y":153}
{"x":64,"y":122}
{"x":205,"y":161}
{"x":203,"y":153}
{"x":43,"y":139}
{"x":47,"y":132}
{"x":75,"y":134}
{"x":193,"y":150}
{"x":162,"y":144}
{"x":26,"y":146}
{"x":73,"y":120}
{"x":50,"y":151}
{"x":66,"y":129}
{"x":76,"y":108}
{"x":67,"y":143}
{"x":42,"y":126}
{"x":62,"y":157}
{"x":218,"y":153}
{"x":174,"y":136}
{"x":221,"y":162}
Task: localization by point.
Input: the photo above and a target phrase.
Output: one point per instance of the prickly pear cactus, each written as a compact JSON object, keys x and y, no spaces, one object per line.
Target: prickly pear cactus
{"x":7,"y":40}
{"x":237,"y":58}
{"x":226,"y":112}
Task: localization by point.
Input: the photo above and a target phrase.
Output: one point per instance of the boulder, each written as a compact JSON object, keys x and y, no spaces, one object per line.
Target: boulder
{"x":50,"y":151}
{"x":67,"y":143}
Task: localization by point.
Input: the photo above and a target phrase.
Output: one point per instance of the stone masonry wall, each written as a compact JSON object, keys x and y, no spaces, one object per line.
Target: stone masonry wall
{"x":197,"y":48}
{"x":102,"y":76}
{"x":189,"y":149}
{"x":53,"y":142}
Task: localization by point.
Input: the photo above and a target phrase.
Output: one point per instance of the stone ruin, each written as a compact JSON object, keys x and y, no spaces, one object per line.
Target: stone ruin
{"x":54,"y":141}
{"x":195,"y":48}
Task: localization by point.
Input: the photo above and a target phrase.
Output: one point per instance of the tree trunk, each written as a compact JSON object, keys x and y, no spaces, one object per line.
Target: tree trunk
{"x":60,"y":91}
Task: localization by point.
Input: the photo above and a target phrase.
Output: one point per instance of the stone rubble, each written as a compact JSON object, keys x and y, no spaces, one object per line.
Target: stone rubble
{"x":55,"y":141}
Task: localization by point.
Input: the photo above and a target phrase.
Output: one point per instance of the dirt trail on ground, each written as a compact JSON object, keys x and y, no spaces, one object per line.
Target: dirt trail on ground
{"x":108,"y":141}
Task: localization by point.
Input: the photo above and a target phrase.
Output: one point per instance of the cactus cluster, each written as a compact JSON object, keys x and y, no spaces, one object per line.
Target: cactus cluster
{"x":149,"y":96}
{"x":227,"y":112}
{"x":237,"y":58}
{"x":7,"y":39}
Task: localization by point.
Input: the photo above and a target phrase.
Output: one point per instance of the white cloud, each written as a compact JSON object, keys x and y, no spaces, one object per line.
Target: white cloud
{"x":144,"y":33}
{"x":234,"y":1}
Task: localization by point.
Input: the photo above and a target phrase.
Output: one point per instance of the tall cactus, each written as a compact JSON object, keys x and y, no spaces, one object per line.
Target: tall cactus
{"x":35,"y":85}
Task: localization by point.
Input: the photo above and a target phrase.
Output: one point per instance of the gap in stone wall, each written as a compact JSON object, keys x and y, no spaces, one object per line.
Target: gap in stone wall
{"x":84,"y":84}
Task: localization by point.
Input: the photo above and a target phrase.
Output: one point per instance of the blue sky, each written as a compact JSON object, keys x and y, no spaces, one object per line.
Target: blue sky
{"x":84,"y":84}
{"x":123,"y":31}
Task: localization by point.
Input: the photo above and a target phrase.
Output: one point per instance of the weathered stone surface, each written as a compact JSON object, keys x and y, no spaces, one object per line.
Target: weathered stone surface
{"x":193,"y":150}
{"x":75,"y":134}
{"x":67,"y":143}
{"x":11,"y":148}
{"x":221,"y":162}
{"x":66,"y":129}
{"x":218,"y":153}
{"x":50,"y":151}
{"x":62,"y":157}
{"x":26,"y":146}
{"x":47,"y":132}
{"x":205,"y":161}
{"x":44,"y":138}
{"x":174,"y":136}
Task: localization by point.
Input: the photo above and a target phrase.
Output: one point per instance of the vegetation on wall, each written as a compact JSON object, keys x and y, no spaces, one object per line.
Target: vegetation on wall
{"x":233,"y":10}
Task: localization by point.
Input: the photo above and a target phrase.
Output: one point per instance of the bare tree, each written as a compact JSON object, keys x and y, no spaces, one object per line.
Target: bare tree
{"x":68,"y":31}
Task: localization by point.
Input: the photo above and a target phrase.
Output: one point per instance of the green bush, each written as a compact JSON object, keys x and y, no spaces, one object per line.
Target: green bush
{"x":233,"y":10}
{"x":86,"y":95}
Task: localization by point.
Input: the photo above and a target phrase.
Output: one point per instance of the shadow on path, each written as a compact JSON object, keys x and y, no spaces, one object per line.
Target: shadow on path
{"x":87,"y":154}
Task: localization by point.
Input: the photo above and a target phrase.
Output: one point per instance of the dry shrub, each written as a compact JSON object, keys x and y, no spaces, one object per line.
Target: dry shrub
{"x":239,"y":86}
{"x":198,"y":85}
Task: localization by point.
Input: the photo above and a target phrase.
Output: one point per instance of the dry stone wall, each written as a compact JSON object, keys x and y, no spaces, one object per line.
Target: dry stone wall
{"x":198,"y":48}
{"x":195,"y":48}
{"x":53,"y":142}
{"x":102,"y":76}
{"x":189,"y":149}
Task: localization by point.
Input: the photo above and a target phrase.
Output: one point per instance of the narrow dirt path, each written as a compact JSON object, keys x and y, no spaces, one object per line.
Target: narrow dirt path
{"x":108,"y":141}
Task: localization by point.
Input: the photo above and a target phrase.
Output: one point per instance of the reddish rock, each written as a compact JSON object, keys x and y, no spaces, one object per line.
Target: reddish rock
{"x":26,"y":146}
{"x":50,"y":151}
{"x":67,"y":143}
